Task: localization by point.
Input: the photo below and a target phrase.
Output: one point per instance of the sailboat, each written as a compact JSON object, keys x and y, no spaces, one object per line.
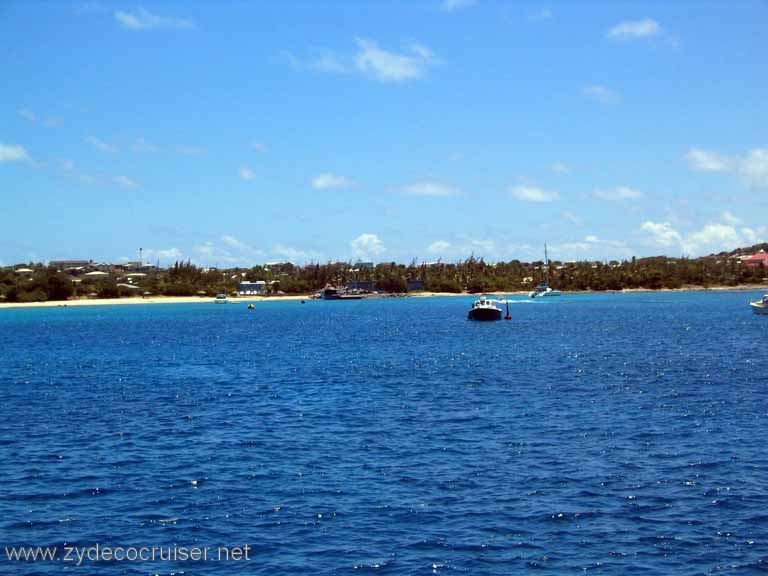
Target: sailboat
{"x":543,"y":289}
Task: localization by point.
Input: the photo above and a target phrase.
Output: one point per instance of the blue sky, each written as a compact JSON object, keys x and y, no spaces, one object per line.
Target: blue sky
{"x":235,"y":133}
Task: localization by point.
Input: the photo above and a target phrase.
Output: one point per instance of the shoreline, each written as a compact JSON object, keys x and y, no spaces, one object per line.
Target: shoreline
{"x":252,"y":299}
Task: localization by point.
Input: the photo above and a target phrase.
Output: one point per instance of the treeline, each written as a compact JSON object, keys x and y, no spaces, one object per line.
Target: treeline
{"x":472,"y":275}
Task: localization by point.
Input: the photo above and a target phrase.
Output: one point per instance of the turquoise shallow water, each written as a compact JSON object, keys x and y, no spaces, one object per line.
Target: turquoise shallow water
{"x":614,"y":434}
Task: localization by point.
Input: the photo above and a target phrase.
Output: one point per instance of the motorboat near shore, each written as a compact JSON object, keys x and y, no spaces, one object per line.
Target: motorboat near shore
{"x":486,"y":309}
{"x":221,"y":299}
{"x":760,"y":306}
{"x":333,"y":293}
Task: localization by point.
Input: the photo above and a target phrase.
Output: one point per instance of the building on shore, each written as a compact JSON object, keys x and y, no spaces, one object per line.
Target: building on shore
{"x":761,"y":258}
{"x":246,"y":288}
{"x":66,"y":265}
{"x":361,"y":285}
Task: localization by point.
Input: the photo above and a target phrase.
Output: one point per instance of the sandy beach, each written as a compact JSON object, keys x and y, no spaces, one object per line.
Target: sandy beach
{"x":255,"y":299}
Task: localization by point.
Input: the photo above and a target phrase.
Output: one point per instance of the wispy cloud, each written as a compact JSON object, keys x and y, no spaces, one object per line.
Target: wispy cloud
{"x":711,"y":238}
{"x":618,"y":193}
{"x":751,"y":168}
{"x":329,"y":62}
{"x":431,"y":189}
{"x":292,"y":254}
{"x":125,"y":182}
{"x":452,"y":5}
{"x":13,"y":153}
{"x":246,"y":173}
{"x":707,"y":161}
{"x":30,"y":116}
{"x":439,"y":247}
{"x":164,"y":255}
{"x":387,"y":66}
{"x":141,"y":145}
{"x":101,"y":145}
{"x":601,"y":94}
{"x":754,"y":168}
{"x":633,"y":29}
{"x":190,"y":150}
{"x":542,"y":14}
{"x":560,"y":168}
{"x":371,"y":61}
{"x":328,"y":181}
{"x":228,"y":250}
{"x":367,"y":245}
{"x":531,"y":194}
{"x":142,"y":19}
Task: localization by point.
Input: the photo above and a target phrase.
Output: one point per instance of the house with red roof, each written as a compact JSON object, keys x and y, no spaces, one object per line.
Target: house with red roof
{"x":757,"y":259}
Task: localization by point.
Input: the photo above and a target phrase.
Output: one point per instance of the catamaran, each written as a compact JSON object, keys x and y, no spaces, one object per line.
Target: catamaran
{"x":761,"y":306}
{"x":543,"y":289}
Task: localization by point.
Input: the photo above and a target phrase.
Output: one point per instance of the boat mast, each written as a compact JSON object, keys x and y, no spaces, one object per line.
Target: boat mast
{"x":546,"y":264}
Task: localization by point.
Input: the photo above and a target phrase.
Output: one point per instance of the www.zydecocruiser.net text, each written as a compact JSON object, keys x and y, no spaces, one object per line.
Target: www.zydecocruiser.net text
{"x":77,"y":555}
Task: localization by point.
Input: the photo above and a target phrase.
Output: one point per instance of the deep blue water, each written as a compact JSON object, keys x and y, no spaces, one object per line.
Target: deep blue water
{"x":614,"y":434}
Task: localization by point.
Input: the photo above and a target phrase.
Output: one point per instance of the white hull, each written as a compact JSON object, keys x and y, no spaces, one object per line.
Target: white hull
{"x":759,"y":307}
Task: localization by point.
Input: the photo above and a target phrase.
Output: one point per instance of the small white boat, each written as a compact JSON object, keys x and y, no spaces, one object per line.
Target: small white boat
{"x":221,"y":299}
{"x":761,"y":306}
{"x":543,"y":290}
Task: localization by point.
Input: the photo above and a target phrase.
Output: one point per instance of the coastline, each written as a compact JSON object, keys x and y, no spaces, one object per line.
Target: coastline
{"x":254,"y":299}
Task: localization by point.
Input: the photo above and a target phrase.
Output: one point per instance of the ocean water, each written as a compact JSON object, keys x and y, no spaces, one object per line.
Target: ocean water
{"x":608,"y":434}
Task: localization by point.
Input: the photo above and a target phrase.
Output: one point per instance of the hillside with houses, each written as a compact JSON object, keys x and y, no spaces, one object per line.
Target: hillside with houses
{"x":68,"y":279}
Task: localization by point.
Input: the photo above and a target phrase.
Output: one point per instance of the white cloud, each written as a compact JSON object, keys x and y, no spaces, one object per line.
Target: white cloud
{"x":141,"y":145}
{"x":572,"y":218}
{"x":543,"y":14}
{"x":101,"y":145}
{"x":259,"y":146}
{"x":661,"y":233}
{"x":66,"y":164}
{"x":246,"y":173}
{"x":367,"y":245}
{"x":233,"y":242}
{"x":618,"y":193}
{"x":141,"y":19}
{"x":329,"y":62}
{"x":601,"y":94}
{"x":560,"y":168}
{"x":451,"y":5}
{"x":712,"y":238}
{"x":591,"y":238}
{"x":190,"y":150}
{"x":125,"y":182}
{"x":327,"y":181}
{"x":388,"y":66}
{"x":164,"y":255}
{"x":292,"y":254}
{"x":431,"y":189}
{"x":439,"y":247}
{"x":729,"y":218}
{"x":530,"y":194}
{"x":27,"y":114}
{"x":13,"y":153}
{"x":754,"y":168}
{"x":707,"y":161}
{"x":632,"y":29}
{"x":228,"y":250}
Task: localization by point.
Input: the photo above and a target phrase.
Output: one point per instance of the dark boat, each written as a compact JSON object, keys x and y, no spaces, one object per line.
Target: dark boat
{"x":331,"y":293}
{"x":484,"y":309}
